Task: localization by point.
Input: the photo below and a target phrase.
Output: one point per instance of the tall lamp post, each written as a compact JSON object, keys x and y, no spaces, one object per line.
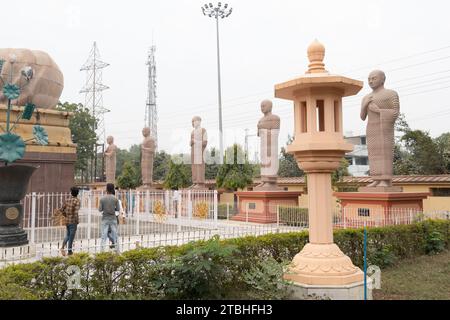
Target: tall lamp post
{"x":217,"y":12}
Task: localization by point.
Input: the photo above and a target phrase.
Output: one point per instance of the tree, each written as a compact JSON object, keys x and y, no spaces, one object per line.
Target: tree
{"x":179,"y":175}
{"x":132,"y":156}
{"x":443,"y":143}
{"x":341,"y":172}
{"x":288,"y":166}
{"x":423,"y":153}
{"x":401,"y":125}
{"x":235,"y":173}
{"x":81,"y":125}
{"x":161,"y":165}
{"x":403,"y":162}
{"x":212,"y":167}
{"x":129,"y":178}
{"x":417,"y":153}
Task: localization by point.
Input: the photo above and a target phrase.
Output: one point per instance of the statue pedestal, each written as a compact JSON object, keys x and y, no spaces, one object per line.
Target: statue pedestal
{"x":56,"y":161}
{"x":261,"y":206}
{"x":379,"y":208}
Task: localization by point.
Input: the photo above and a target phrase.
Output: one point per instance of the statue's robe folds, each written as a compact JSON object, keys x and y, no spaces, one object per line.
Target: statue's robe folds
{"x":268,"y":131}
{"x":380,"y":133}
{"x":147,"y":156}
{"x":110,"y":163}
{"x":199,"y":140}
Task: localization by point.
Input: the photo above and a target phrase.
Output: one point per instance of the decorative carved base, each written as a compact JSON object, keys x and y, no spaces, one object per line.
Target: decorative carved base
{"x":323,"y":264}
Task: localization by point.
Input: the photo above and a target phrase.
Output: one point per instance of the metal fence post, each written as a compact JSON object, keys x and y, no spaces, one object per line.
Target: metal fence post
{"x":137,"y":214}
{"x":178,"y":202}
{"x":278,"y":216}
{"x":130,"y":204}
{"x":343,"y":217}
{"x":215,"y":209}
{"x":246,"y":212}
{"x":138,"y":200}
{"x":189,"y":205}
{"x":147,"y":202}
{"x":89,"y":215}
{"x":33,"y":217}
{"x":167,"y":201}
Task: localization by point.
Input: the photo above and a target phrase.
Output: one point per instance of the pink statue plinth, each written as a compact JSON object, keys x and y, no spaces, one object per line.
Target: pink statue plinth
{"x":320,"y":267}
{"x":261,"y":206}
{"x":379,"y":208}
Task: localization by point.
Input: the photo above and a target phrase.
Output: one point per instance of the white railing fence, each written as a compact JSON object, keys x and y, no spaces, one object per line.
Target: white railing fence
{"x":145,"y":212}
{"x":167,"y":217}
{"x":344,"y":218}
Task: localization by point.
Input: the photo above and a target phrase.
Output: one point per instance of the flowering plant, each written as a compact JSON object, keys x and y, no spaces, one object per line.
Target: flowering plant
{"x":201,"y":210}
{"x":160,"y":211}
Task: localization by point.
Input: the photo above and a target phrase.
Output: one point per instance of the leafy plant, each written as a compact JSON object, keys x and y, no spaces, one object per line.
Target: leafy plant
{"x":265,"y":280}
{"x":382,"y":257}
{"x":205,"y":272}
{"x":435,"y":243}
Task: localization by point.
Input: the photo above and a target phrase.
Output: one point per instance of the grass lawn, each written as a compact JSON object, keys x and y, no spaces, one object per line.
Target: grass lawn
{"x":422,"y":278}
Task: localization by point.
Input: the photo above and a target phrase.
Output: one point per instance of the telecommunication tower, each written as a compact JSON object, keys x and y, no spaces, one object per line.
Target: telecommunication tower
{"x":93,"y":89}
{"x":151,"y":112}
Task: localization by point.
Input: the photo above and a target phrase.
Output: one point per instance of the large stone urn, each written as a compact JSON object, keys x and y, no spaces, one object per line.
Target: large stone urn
{"x":14,"y":181}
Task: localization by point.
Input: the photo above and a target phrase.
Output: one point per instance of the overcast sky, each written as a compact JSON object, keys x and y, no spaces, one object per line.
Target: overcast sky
{"x":262,"y":43}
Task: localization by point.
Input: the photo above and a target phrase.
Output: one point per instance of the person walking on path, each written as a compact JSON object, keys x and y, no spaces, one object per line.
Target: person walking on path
{"x":109,"y":204}
{"x":70,"y":212}
{"x":120,"y":219}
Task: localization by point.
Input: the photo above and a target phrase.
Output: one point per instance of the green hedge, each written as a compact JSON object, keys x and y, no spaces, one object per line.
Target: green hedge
{"x":242,"y":268}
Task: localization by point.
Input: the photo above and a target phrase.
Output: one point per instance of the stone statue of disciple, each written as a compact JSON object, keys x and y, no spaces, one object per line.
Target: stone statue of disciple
{"x":268,"y":131}
{"x":382,"y":108}
{"x":199,"y":140}
{"x":147,"y":155}
{"x":110,"y":160}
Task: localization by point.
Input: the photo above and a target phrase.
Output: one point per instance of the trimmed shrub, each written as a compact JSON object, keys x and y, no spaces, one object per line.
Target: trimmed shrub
{"x":241,"y":268}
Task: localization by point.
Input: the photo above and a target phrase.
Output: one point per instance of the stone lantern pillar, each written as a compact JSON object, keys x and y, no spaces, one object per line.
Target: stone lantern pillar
{"x":321,"y":267}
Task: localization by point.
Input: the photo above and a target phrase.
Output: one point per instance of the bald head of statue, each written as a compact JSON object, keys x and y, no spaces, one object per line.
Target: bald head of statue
{"x":196,"y":121}
{"x":376,"y":79}
{"x":266,"y":106}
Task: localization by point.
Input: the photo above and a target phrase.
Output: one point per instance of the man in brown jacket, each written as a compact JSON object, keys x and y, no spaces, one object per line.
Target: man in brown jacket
{"x":70,"y":211}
